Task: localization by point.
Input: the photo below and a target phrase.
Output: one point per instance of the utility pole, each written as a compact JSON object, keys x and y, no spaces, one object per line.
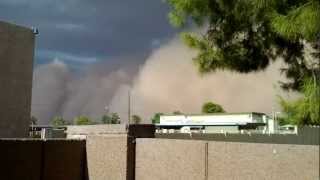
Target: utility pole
{"x":129,"y":106}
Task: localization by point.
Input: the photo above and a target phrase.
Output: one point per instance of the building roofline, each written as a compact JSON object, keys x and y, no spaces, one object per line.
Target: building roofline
{"x":220,"y":114}
{"x":15,"y":25}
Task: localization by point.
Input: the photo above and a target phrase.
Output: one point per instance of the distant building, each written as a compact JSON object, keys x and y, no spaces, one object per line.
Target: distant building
{"x":16,"y":65}
{"x":47,"y":132}
{"x":82,"y":131}
{"x":288,"y":129}
{"x":251,"y":122}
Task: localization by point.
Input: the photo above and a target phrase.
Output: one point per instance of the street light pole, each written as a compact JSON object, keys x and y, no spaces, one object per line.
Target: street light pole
{"x":107,"y":109}
{"x":129,"y":106}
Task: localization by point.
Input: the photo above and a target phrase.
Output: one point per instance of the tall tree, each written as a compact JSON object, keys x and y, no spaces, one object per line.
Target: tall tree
{"x":156,"y":118}
{"x":136,"y":119}
{"x":245,"y":36}
{"x":211,"y":107}
{"x":294,"y":20}
{"x":305,"y":110}
{"x":297,"y":21}
{"x":106,"y":119}
{"x":115,"y":118}
{"x":82,"y":120}
{"x":33,"y":120}
{"x":59,"y":121}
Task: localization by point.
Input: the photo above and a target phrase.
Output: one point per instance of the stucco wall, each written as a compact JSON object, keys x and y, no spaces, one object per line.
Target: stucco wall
{"x":107,"y":157}
{"x":227,"y":160}
{"x":111,"y":149}
{"x":161,"y":159}
{"x":16,"y":62}
{"x":113,"y":156}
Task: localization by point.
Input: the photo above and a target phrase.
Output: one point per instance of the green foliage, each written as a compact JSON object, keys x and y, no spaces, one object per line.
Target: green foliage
{"x":211,"y":107}
{"x":292,"y":110}
{"x":237,"y":38}
{"x":33,"y":120}
{"x":311,"y":100}
{"x":136,"y":119}
{"x":198,"y":10}
{"x":82,"y":120}
{"x":106,"y":119}
{"x":115,"y":118}
{"x":299,"y":21}
{"x":245,"y":36}
{"x":156,"y":118}
{"x":59,"y":121}
{"x":283,"y":121}
{"x":305,"y":110}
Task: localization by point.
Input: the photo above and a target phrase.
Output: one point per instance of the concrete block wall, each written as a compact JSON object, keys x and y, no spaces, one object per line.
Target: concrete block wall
{"x":134,"y":130}
{"x":262,"y":161}
{"x":107,"y":157}
{"x":112,"y":155}
{"x":160,"y":159}
{"x":16,"y":66}
{"x":122,"y":157}
{"x":82,"y":131}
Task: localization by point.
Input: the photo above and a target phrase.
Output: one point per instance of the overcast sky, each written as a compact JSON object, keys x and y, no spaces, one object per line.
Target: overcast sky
{"x":82,"y":32}
{"x":109,"y":41}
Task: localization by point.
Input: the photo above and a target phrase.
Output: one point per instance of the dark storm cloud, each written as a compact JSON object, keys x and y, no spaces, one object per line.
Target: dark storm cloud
{"x":95,"y":29}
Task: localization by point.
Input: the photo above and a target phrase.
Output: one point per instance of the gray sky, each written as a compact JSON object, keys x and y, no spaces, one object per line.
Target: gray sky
{"x":82,"y":32}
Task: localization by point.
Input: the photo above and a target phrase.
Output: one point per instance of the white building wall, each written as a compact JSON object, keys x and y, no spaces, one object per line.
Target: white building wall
{"x":223,"y":119}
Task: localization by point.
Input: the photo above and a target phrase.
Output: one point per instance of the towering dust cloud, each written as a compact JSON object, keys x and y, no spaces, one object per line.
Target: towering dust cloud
{"x":59,"y":92}
{"x":168,"y":81}
{"x":49,"y":90}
